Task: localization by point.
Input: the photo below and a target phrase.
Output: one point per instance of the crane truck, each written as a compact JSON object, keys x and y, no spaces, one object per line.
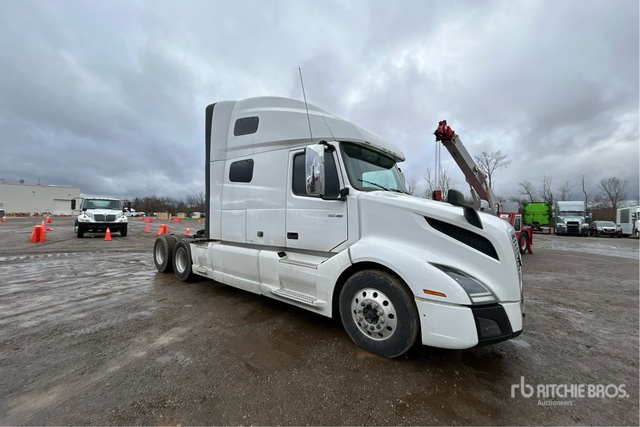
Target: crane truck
{"x":480,"y":189}
{"x":310,"y":209}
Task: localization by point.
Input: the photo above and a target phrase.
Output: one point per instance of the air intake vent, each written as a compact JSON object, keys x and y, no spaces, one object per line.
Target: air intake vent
{"x":467,"y":237}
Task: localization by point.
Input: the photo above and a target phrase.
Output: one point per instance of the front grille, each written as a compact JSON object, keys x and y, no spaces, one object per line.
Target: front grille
{"x":103,"y":217}
{"x":469,"y":238}
{"x":516,"y":252}
{"x":573,"y":228}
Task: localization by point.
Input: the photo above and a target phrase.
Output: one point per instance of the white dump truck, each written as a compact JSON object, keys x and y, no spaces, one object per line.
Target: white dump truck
{"x":310,"y":209}
{"x":96,"y":214}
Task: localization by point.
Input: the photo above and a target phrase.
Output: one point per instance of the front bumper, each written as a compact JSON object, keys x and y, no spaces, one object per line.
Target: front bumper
{"x":460,"y":327}
{"x":101,"y":227}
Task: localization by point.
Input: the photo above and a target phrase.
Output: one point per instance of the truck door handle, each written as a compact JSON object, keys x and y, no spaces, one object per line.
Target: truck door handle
{"x":293,"y":236}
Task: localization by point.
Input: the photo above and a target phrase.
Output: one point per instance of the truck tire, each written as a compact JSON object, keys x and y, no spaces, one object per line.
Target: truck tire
{"x":182,"y":261}
{"x":163,"y":253}
{"x":522,"y":243}
{"x":379,"y":313}
{"x":80,"y":231}
{"x":123,"y":231}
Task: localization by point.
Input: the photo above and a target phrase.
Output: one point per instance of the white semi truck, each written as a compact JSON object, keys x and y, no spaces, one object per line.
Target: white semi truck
{"x":570,"y":218}
{"x":310,"y":209}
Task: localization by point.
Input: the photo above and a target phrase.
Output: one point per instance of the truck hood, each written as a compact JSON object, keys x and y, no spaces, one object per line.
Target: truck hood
{"x":571,"y":218}
{"x":439,"y":234}
{"x":432,"y":208}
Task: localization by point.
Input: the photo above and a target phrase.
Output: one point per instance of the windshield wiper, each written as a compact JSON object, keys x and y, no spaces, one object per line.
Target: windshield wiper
{"x":382,"y":187}
{"x":373,"y":183}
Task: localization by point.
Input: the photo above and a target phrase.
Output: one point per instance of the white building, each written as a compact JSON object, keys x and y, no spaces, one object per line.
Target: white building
{"x":20,"y":199}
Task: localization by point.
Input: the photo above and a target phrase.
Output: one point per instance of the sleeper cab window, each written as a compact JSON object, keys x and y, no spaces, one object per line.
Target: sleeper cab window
{"x":332,"y":183}
{"x":241,"y":171}
{"x":246,"y":126}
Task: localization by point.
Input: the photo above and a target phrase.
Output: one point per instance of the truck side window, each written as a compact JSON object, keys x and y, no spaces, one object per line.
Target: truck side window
{"x":516,"y":223}
{"x":241,"y":171}
{"x":246,"y":126}
{"x":332,"y":183}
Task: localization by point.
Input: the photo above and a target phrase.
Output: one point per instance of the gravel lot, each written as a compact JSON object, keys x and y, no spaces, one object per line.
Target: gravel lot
{"x":91,"y":334}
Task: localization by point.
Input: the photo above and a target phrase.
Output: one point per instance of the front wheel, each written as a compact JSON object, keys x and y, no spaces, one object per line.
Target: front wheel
{"x":80,"y":231}
{"x":522,"y":242}
{"x":163,"y":253}
{"x":123,"y":231}
{"x":379,"y":313}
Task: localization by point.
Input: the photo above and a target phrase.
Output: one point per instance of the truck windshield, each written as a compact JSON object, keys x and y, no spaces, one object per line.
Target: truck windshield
{"x":102,"y":204}
{"x":370,"y":170}
{"x":572,"y":213}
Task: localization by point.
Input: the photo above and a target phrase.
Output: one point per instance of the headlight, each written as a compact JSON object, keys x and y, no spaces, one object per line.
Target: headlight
{"x":477,"y":292}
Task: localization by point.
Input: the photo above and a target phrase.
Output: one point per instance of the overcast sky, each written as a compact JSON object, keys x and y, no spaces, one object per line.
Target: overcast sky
{"x":109,"y":96}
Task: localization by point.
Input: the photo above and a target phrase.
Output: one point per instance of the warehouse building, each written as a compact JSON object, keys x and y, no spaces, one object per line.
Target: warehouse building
{"x":26,"y":199}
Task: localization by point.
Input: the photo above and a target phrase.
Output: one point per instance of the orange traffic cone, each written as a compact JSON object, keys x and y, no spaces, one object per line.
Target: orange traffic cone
{"x":48,"y":220}
{"x":3,"y":220}
{"x":38,"y":235}
{"x":146,"y":228}
{"x":35,"y":234}
{"x":187,"y":233}
{"x":162,"y":229}
{"x":107,"y":236}
{"x":198,"y":222}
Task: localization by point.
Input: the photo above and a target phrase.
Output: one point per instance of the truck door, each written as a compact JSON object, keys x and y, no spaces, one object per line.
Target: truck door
{"x":311,"y":222}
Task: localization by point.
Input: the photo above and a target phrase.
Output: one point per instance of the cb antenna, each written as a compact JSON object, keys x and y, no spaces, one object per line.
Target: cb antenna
{"x":305,"y":103}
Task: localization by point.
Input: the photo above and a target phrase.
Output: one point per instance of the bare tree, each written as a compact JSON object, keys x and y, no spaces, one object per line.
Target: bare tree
{"x":564,"y":191}
{"x":489,"y":163}
{"x":412,"y":185}
{"x":519,"y":200}
{"x":195,"y":202}
{"x":546,"y":194}
{"x":614,"y":190}
{"x":446,"y":183}
{"x":528,"y":190}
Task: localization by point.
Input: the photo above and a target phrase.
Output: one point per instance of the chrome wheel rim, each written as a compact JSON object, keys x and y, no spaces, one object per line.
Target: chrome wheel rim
{"x":374,"y":314}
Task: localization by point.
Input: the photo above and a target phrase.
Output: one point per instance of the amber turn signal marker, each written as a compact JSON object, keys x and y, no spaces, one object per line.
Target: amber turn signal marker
{"x":436,"y":293}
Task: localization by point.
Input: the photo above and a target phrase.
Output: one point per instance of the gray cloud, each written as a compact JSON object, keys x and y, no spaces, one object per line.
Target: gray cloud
{"x":110,"y":96}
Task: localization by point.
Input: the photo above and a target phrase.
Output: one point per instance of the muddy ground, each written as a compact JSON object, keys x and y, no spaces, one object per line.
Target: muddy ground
{"x":91,"y":334}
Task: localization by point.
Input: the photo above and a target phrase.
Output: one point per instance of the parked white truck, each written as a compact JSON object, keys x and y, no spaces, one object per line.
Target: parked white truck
{"x":307,"y":208}
{"x":570,"y":218}
{"x":99,"y":213}
{"x":627,"y":219}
